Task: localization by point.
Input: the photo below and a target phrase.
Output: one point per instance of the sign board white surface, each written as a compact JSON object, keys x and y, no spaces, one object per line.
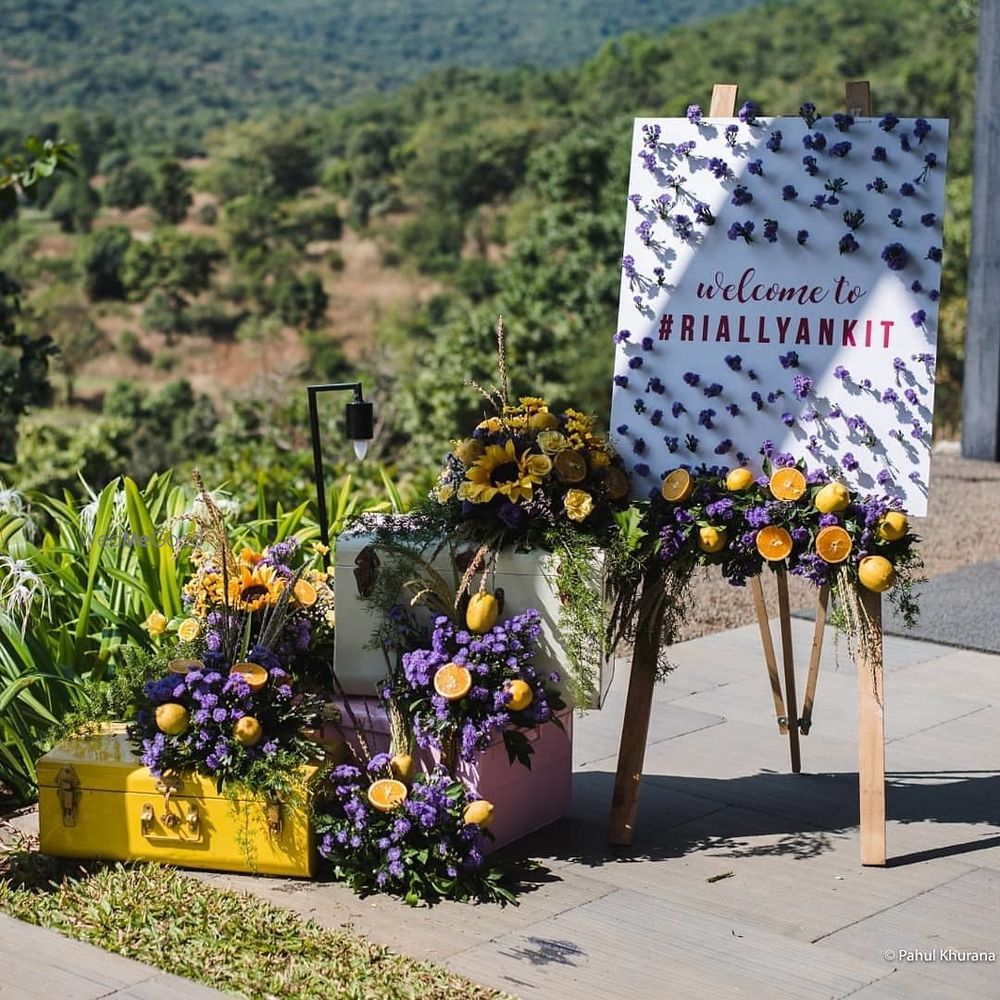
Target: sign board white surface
{"x":779,"y":296}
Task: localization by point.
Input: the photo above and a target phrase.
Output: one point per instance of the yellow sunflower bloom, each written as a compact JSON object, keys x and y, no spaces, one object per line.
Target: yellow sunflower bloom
{"x":501,"y":471}
{"x":257,"y":587}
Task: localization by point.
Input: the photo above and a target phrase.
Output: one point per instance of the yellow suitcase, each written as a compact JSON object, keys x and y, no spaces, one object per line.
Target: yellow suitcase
{"x":96,"y":800}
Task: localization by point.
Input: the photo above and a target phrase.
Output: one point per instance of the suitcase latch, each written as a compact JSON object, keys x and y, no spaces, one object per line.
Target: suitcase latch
{"x":146,"y":818}
{"x":68,"y":792}
{"x":274,"y":822}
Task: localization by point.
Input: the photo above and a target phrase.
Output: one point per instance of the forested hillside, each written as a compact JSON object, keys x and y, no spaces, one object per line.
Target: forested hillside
{"x":181,"y":65}
{"x":382,"y":238}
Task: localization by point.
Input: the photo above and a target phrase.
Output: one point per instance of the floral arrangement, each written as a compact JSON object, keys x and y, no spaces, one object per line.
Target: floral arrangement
{"x":424,"y":841}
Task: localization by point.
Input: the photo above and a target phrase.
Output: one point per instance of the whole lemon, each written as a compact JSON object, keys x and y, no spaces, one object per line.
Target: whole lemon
{"x":737,"y":480}
{"x":482,"y":612}
{"x":520,"y":696}
{"x":171,"y":718}
{"x":248,"y":731}
{"x":893,"y":526}
{"x":711,"y":539}
{"x":832,"y":498}
{"x":876,"y":573}
{"x":478,"y":813}
{"x":543,"y":421}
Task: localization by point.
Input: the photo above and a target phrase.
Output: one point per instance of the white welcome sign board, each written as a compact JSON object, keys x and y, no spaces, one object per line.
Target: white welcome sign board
{"x":779,"y":296}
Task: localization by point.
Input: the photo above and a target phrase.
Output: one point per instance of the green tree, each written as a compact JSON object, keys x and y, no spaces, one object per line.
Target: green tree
{"x":301,"y":302}
{"x":74,"y":205}
{"x":103,"y":258}
{"x":171,"y":195}
{"x":128,"y":187}
{"x":62,"y":313}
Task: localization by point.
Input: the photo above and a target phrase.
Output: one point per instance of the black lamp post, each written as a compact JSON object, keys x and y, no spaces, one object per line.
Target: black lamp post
{"x":359,"y":425}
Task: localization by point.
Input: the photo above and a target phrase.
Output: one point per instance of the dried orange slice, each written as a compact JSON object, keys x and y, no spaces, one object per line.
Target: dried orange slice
{"x":184,"y":666}
{"x":833,"y":544}
{"x":615,"y":483}
{"x":774,"y":543}
{"x":253,"y":673}
{"x":677,"y":486}
{"x":788,"y":484}
{"x":386,"y":794}
{"x":305,"y":593}
{"x":570,"y":466}
{"x":452,"y":681}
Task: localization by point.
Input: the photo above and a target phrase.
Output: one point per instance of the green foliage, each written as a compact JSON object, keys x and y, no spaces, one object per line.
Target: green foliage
{"x":74,"y":205}
{"x":171,"y":195}
{"x":103,"y":256}
{"x":301,"y":302}
{"x":128,"y":187}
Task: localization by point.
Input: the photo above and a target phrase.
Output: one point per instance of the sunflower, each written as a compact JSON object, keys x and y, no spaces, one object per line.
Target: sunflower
{"x":501,"y":471}
{"x":257,"y":587}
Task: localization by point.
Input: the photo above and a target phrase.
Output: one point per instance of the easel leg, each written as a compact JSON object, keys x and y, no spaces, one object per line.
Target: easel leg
{"x":871,"y":738}
{"x":788,"y":661}
{"x":766,"y":640}
{"x":822,"y":601}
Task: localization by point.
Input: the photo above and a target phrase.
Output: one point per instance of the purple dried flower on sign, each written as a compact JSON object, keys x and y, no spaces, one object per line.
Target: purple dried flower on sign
{"x":655,"y":384}
{"x":677,"y":409}
{"x":662,"y":205}
{"x":685,"y":148}
{"x":651,"y":134}
{"x":928,"y":219}
{"x":919,"y":317}
{"x":622,"y":429}
{"x":718,"y":168}
{"x":641,"y":469}
{"x":648,"y":161}
{"x":788,"y":193}
{"x":914,"y":477}
{"x":683,"y":227}
{"x":878,"y":185}
{"x":741,"y":230}
{"x":819,"y":201}
{"x":713,"y":390}
{"x":843,"y":122}
{"x":730,"y":133}
{"x":896,"y":216}
{"x":884,"y":477}
{"x":907,"y":190}
{"x":802,"y":237}
{"x":645,"y":231}
{"x":758,"y":399}
{"x":621,"y":381}
{"x":660,"y":274}
{"x":622,"y":335}
{"x":734,"y":362}
{"x":934,"y":254}
{"x":895,"y":256}
{"x":639,"y":304}
{"x":866,"y":383}
{"x":879,"y":155}
{"x":787,"y":419}
{"x":930,"y":162}
{"x":888,"y":123}
{"x":774,"y":141}
{"x":693,"y":114}
{"x":808,"y":112}
{"x":814,"y":140}
{"x":692,"y":378}
{"x":933,"y":295}
{"x":918,"y":430}
{"x":802,"y":385}
{"x":628,"y":266}
{"x":848,"y":244}
{"x":771,"y":230}
{"x":705,"y":419}
{"x":789,"y":360}
{"x":809,"y":414}
{"x":733,"y":410}
{"x":911,"y":397}
{"x":748,"y":112}
{"x":889,"y":396}
{"x":898,"y":365}
{"x":639,"y":446}
{"x":834,"y":412}
{"x":921,"y":129}
{"x":672,"y":444}
{"x":752,"y":375}
{"x":774,"y":395}
{"x":691,"y":443}
{"x":756,"y":167}
{"x":635,"y":362}
{"x":916,"y":287}
{"x":904,"y":142}
{"x":636,"y":200}
{"x":724,"y":447}
{"x":656,"y":417}
{"x":849,"y":462}
{"x":639,"y":406}
{"x":647,"y":343}
{"x":704,"y":213}
{"x":840,"y":149}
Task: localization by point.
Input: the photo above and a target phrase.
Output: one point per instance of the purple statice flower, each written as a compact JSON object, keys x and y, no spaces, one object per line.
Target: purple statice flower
{"x":724,"y":508}
{"x":904,"y":142}
{"x":659,"y":274}
{"x":898,"y":366}
{"x":774,"y":141}
{"x":888,"y":123}
{"x":683,"y":227}
{"x":878,"y":185}
{"x":724,"y":447}
{"x":802,"y":386}
{"x":635,"y":362}
{"x":734,"y":362}
{"x":756,"y":167}
{"x":732,"y":409}
{"x":933,"y":295}
{"x":645,"y":232}
{"x":849,"y":462}
{"x":656,"y":418}
{"x":758,"y":400}
{"x":685,"y":148}
{"x":889,"y":396}
{"x":672,"y":443}
{"x":677,"y":408}
{"x":704,"y":214}
{"x":730,"y":133}
{"x":641,"y":469}
{"x":934,"y":254}
{"x":693,"y":114}
{"x":914,"y":476}
{"x":774,"y":395}
{"x":715,"y":389}
{"x":921,"y":129}
{"x":718,"y":168}
{"x":916,"y":287}
{"x":884,"y":477}
{"x":919,"y":317}
{"x":638,"y":446}
{"x":840,"y":149}
{"x":622,"y":335}
{"x":691,"y":443}
{"x":705,"y":418}
{"x":648,"y":160}
{"x":819,"y":201}
{"x":918,"y":430}
{"x":741,"y":230}
{"x":759,"y":517}
{"x":879,"y":155}
{"x":662,"y":205}
{"x":848,"y":244}
{"x":655,"y":384}
{"x":788,"y":193}
{"x":628,"y":266}
{"x":843,"y":122}
{"x":748,"y":112}
{"x":771,"y":230}
{"x":834,"y":412}
{"x":928,"y":219}
{"x":621,"y":381}
{"x":907,"y":190}
{"x":647,"y":343}
{"x":808,"y":113}
{"x":802,"y":237}
{"x":810,"y":165}
{"x":639,"y":406}
{"x":854,"y":220}
{"x":622,"y":429}
{"x":789,"y":360}
{"x":636,"y":200}
{"x":787,"y":419}
{"x":815,"y":141}
{"x":911,"y":397}
{"x":512,"y":515}
{"x":692,"y":378}
{"x":651,"y":135}
{"x":896,"y":217}
{"x":895,"y":256}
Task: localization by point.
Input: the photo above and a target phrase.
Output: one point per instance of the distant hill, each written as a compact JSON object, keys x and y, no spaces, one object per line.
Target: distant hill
{"x":187,"y":64}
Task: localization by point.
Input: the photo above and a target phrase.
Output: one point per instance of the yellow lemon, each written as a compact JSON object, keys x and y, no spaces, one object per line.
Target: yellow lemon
{"x":248,"y":731}
{"x":711,"y":539}
{"x":520,"y":696}
{"x":737,"y":480}
{"x":893,"y":526}
{"x":171,"y":718}
{"x":482,"y":613}
{"x":543,"y":421}
{"x":386,"y":794}
{"x":402,"y":767}
{"x":478,"y":813}
{"x":189,"y":630}
{"x":876,"y":573}
{"x":832,"y":498}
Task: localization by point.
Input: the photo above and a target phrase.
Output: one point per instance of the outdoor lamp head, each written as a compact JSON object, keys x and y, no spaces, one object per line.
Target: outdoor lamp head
{"x":359,"y":418}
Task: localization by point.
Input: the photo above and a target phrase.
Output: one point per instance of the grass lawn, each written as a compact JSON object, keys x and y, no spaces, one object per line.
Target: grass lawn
{"x":227,"y":940}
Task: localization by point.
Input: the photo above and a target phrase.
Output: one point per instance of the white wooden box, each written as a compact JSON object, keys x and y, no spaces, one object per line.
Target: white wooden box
{"x":527,"y":579}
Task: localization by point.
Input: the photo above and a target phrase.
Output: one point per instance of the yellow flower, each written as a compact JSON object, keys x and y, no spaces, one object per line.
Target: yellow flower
{"x":532,"y":403}
{"x":552,"y":442}
{"x":469,"y":450}
{"x":501,"y":471}
{"x":579,"y":505}
{"x":250,"y":558}
{"x":492,"y":424}
{"x":445,"y":492}
{"x":189,"y":630}
{"x":320,"y":548}
{"x":256,"y":588}
{"x":155,"y":623}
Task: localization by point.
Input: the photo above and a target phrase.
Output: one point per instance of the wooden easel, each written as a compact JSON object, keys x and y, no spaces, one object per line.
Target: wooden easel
{"x":871,"y":723}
